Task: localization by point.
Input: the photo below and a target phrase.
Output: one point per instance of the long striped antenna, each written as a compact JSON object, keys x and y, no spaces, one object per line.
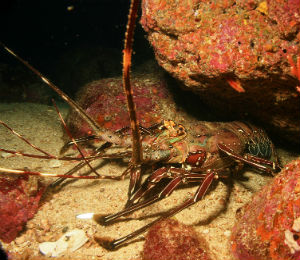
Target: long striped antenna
{"x":137,"y":153}
{"x":104,"y":134}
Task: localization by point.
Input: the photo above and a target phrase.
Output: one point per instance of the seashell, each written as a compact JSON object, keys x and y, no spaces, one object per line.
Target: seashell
{"x":54,"y":163}
{"x":70,"y":241}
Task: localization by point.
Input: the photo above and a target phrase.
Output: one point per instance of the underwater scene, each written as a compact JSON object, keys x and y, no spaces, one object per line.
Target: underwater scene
{"x":146,"y":130}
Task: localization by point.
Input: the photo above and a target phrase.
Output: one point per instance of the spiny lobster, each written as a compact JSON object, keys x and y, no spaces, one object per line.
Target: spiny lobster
{"x":209,"y":151}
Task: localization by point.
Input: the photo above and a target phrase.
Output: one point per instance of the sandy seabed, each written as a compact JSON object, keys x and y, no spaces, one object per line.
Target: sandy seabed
{"x":213,"y":217}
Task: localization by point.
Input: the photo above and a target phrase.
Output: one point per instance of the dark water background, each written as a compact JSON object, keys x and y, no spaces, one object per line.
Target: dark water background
{"x":42,"y":32}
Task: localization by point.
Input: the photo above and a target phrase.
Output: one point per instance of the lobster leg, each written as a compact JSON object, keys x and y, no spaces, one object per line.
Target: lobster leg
{"x":256,"y":162}
{"x":135,"y":176}
{"x":149,"y":183}
{"x":46,"y":154}
{"x":157,"y":176}
{"x":253,"y":158}
{"x":170,"y":187}
{"x":44,"y":174}
{"x":135,"y":172}
{"x":26,"y":141}
{"x":70,"y":172}
{"x":201,"y":191}
{"x":94,"y":137}
{"x":73,"y":140}
{"x":81,"y":165}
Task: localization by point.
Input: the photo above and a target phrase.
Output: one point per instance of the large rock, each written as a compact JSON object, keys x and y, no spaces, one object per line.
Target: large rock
{"x":212,"y":45}
{"x":155,"y":100}
{"x":19,"y":201}
{"x":172,"y":240}
{"x":104,"y":100}
{"x":268,"y":227}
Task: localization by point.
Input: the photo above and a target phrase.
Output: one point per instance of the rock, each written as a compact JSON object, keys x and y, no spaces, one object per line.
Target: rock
{"x":172,"y":240}
{"x":19,"y":201}
{"x":71,"y":241}
{"x":268,"y":227}
{"x":104,"y":101}
{"x":155,"y":100}
{"x":210,"y":46}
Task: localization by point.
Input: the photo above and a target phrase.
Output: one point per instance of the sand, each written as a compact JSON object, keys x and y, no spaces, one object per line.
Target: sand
{"x":213,"y":217}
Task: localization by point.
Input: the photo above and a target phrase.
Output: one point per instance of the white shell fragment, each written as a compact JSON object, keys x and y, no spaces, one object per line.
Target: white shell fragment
{"x":296,"y":225}
{"x":54,"y":163}
{"x":70,"y":241}
{"x":85,"y":216}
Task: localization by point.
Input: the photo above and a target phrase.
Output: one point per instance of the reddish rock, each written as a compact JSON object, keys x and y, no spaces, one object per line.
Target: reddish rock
{"x":104,"y":101}
{"x":19,"y":201}
{"x":269,"y":226}
{"x":212,"y":45}
{"x":172,"y":240}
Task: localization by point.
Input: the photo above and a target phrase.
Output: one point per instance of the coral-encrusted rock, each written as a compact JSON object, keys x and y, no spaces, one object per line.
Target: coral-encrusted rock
{"x":209,"y":44}
{"x":104,"y":101}
{"x":171,"y":240}
{"x":19,"y":201}
{"x":269,"y":227}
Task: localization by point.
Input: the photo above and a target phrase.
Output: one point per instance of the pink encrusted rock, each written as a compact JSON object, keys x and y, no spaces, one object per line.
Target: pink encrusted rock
{"x":105,"y":102}
{"x":19,"y":201}
{"x":172,"y":240}
{"x":268,"y":227}
{"x":214,"y":47}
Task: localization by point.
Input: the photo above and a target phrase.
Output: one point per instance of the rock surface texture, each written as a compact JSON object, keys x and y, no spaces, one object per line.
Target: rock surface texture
{"x":217,"y":47}
{"x":19,"y":201}
{"x":104,"y":100}
{"x":268,"y":227}
{"x":172,"y":240}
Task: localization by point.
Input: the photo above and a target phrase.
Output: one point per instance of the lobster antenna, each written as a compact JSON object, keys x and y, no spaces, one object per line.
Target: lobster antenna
{"x":105,"y":134}
{"x":137,"y":153}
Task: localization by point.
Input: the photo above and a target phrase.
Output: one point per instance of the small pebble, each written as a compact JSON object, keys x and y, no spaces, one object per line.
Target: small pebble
{"x":205,"y":231}
{"x":65,"y":229}
{"x":54,"y":163}
{"x":227,"y":233}
{"x":20,"y":240}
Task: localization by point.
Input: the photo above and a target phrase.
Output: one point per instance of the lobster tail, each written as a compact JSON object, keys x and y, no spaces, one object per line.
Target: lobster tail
{"x":256,"y":140}
{"x":260,"y":145}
